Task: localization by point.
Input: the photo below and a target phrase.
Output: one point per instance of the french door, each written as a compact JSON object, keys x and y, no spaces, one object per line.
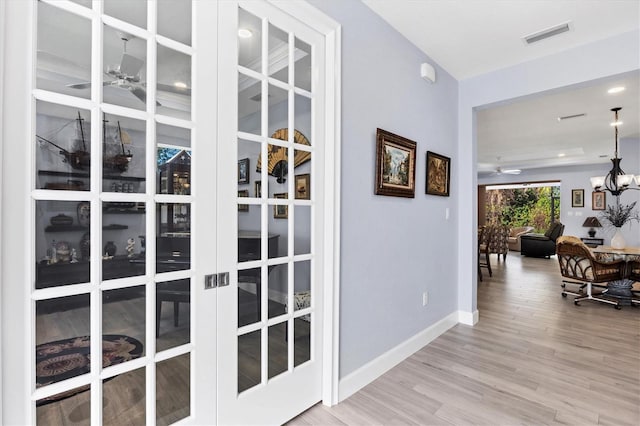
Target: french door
{"x":167,"y":238}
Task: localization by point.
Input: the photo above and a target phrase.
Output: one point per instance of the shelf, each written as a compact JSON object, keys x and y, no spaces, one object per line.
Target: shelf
{"x":71,"y":228}
{"x":86,"y":175}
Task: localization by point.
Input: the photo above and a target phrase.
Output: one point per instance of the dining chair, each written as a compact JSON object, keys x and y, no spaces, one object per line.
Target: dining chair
{"x":634,"y":274}
{"x":578,"y":264}
{"x":483,"y":250}
{"x":498,"y":241}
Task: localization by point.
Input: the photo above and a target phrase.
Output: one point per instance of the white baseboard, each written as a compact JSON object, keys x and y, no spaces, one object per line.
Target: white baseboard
{"x":377,"y":367}
{"x":468,"y":318}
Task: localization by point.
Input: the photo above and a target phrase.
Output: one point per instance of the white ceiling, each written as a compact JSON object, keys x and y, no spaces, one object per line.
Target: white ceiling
{"x":468,"y":38}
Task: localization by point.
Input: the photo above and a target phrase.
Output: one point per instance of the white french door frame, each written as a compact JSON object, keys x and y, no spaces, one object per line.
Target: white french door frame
{"x":332,"y":32}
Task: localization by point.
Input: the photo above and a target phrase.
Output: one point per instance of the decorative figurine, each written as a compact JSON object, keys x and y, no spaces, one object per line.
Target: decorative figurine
{"x":109,"y":249}
{"x":130,"y":243}
{"x":74,"y":256}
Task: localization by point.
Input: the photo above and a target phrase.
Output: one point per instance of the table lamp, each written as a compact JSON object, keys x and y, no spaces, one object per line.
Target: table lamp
{"x":592,"y":222}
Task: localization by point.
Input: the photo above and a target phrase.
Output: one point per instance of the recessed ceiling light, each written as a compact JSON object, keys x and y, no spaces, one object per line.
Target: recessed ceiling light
{"x":180,"y":85}
{"x":562,"y":154}
{"x":244,"y":33}
{"x":616,"y":123}
{"x":617,"y":89}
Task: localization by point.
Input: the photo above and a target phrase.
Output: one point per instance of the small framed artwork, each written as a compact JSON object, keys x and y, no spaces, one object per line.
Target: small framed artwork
{"x":438,"y":174}
{"x":395,"y":165}
{"x":598,"y":200}
{"x":303,"y":187}
{"x":257,"y":188}
{"x":280,"y":211}
{"x":243,"y":207}
{"x":243,"y":170}
{"x":577,"y":198}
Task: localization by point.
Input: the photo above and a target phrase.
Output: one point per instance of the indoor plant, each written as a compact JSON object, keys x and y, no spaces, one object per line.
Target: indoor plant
{"x":617,"y":215}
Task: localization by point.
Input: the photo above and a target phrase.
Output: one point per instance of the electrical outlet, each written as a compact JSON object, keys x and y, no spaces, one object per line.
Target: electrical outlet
{"x":425,"y":298}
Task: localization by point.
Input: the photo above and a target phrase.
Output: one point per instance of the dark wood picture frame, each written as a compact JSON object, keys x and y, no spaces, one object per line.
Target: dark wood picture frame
{"x":257,"y":189}
{"x":243,"y":171}
{"x":303,"y":187}
{"x":243,"y":207}
{"x":598,"y":200}
{"x":281,"y":211}
{"x":438,"y":174}
{"x":577,"y":198}
{"x":395,"y":165}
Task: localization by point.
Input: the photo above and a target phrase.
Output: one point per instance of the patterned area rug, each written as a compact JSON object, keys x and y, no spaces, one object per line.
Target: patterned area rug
{"x":63,"y":359}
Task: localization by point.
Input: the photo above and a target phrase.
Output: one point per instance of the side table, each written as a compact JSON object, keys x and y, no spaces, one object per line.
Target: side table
{"x":593,"y":242}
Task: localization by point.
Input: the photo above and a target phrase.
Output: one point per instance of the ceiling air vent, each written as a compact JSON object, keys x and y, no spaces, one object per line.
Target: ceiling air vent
{"x":549,"y":32}
{"x":567,"y":117}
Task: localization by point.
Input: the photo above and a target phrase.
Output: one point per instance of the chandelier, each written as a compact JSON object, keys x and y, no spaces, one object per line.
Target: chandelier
{"x":616,"y":181}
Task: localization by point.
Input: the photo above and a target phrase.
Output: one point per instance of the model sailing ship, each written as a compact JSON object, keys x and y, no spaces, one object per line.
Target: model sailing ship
{"x":115,"y":157}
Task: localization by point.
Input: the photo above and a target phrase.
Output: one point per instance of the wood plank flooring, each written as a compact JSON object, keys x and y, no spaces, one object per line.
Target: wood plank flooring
{"x":533,"y":358}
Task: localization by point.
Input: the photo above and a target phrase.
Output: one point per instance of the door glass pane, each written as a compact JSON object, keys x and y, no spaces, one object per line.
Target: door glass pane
{"x":63,"y":147}
{"x":278,"y":289}
{"x":86,"y":3}
{"x":123,"y":324}
{"x":302,"y":230}
{"x":123,"y":152}
{"x":249,"y":291}
{"x":278,"y":353}
{"x":249,"y":104}
{"x":248,"y":154}
{"x":61,"y":244}
{"x":249,"y":41}
{"x":62,"y":352}
{"x":173,"y":159}
{"x":173,"y":314}
{"x":123,"y":229}
{"x":60,"y":68}
{"x":278,"y":54}
{"x":279,"y":225}
{"x":249,"y":246}
{"x":302,"y":284}
{"x":174,"y":20}
{"x":70,"y":407}
{"x":174,"y":83}
{"x":131,"y":11}
{"x":302,"y":339}
{"x":249,"y":356}
{"x":124,"y":398}
{"x":303,"y":118}
{"x":173,"y":245}
{"x":303,"y":65}
{"x":124,"y":63}
{"x":278,"y":109}
{"x":173,"y":381}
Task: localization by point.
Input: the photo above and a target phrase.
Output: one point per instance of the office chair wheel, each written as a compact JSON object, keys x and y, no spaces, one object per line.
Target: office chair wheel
{"x":564,"y":294}
{"x":618,"y":307}
{"x":575,"y":302}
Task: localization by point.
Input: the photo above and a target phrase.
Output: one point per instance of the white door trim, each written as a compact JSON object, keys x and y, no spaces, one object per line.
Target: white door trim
{"x":332,"y":32}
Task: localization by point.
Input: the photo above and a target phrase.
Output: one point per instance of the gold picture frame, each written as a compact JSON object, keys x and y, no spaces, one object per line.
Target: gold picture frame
{"x":303,"y":187}
{"x":598,"y":200}
{"x":244,"y":193}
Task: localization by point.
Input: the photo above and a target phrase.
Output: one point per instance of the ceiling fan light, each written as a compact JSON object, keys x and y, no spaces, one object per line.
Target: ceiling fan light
{"x":637,"y":178}
{"x":597,"y":182}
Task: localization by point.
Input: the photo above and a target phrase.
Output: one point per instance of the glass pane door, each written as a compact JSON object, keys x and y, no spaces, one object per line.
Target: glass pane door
{"x":269,"y":318}
{"x":112,"y":213}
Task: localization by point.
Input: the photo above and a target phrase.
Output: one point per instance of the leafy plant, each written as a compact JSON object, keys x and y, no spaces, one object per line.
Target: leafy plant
{"x":619,"y":214}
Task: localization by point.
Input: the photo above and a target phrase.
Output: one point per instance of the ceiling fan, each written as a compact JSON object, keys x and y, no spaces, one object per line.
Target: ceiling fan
{"x":500,"y":171}
{"x":126,"y":75}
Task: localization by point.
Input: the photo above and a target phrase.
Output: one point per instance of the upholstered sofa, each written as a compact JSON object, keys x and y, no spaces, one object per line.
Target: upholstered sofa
{"x":514,"y":236}
{"x":541,"y":245}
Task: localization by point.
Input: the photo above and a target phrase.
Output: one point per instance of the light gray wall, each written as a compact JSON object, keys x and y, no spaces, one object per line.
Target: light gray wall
{"x":598,"y":60}
{"x":577,"y":177}
{"x":393,"y":249}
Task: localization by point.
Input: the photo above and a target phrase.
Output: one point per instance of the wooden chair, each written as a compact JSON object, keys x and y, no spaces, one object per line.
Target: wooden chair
{"x":578,"y":264}
{"x":483,"y":250}
{"x":634,"y":274}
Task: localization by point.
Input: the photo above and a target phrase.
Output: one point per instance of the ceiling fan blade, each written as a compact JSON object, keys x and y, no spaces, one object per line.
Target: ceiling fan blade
{"x":174,"y":89}
{"x":130,"y":65}
{"x":512,"y":171}
{"x":86,"y":85}
{"x":141,"y":94}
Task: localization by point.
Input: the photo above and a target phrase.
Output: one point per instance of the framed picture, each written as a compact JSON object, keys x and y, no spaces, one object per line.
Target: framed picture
{"x":598,"y":200}
{"x":303,"y":187}
{"x":280,"y":211}
{"x":395,"y":165}
{"x":438,"y":174}
{"x":243,"y":170}
{"x":257,"y":188}
{"x":577,"y":198}
{"x":243,"y":207}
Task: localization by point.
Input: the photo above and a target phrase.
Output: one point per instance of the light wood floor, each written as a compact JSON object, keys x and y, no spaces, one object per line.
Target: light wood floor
{"x":533,"y":358}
